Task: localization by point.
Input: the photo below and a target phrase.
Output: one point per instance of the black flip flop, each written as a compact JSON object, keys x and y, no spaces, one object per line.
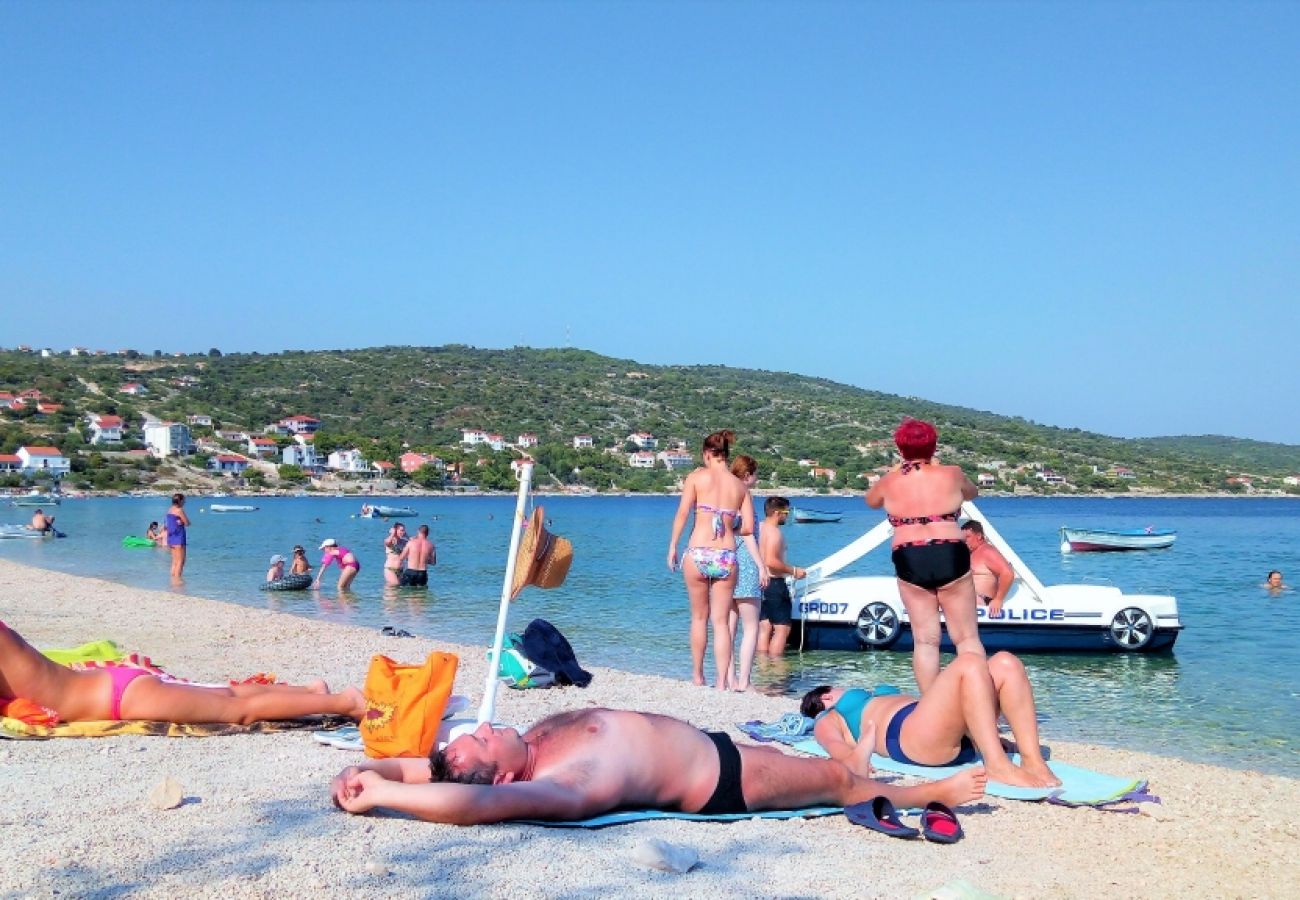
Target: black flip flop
{"x":879,"y":814}
{"x":939,"y":824}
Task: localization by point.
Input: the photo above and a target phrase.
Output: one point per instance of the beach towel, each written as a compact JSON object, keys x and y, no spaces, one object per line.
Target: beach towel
{"x":14,"y":729}
{"x":624,"y":817}
{"x":349,"y":736}
{"x":94,"y":651}
{"x":790,"y":729}
{"x":1079,"y":786}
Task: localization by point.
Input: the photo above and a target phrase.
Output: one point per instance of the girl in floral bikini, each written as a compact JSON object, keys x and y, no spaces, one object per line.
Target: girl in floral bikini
{"x":723,"y":509}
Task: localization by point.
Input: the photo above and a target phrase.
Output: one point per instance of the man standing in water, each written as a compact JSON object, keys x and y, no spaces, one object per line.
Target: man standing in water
{"x":990,"y":570}
{"x":418,"y":554}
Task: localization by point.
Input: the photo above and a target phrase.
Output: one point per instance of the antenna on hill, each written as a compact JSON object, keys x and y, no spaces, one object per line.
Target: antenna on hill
{"x":568,"y":337}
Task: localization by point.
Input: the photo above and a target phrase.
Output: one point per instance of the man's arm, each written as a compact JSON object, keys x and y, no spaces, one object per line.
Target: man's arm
{"x":999,"y":566}
{"x":474,"y":804}
{"x":772,"y":546}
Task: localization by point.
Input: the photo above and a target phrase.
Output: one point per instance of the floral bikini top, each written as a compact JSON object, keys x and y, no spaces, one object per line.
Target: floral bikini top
{"x":719,"y":525}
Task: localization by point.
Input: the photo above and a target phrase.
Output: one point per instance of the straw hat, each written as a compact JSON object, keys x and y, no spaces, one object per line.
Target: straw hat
{"x":543,"y":559}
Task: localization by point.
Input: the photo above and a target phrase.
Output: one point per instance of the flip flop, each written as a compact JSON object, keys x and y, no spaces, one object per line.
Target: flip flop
{"x":879,"y":814}
{"x":939,"y":824}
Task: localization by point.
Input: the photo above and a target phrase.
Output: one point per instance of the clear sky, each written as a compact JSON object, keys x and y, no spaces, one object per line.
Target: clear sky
{"x":1086,"y":214}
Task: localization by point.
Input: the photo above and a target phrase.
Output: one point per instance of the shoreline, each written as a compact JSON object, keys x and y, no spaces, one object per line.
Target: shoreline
{"x":258,"y":821}
{"x":787,"y":492}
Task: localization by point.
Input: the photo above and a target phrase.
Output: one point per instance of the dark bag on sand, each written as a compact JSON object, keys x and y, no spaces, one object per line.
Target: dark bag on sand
{"x":545,"y":646}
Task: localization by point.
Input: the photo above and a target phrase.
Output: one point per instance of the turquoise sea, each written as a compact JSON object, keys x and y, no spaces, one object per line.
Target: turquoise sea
{"x":1229,"y":694}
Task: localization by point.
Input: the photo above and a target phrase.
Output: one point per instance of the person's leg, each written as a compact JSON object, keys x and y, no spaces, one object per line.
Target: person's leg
{"x":154,"y":700}
{"x":346,"y":577}
{"x":764,"y":644}
{"x":748,"y":611}
{"x":968,"y":692}
{"x":26,"y":672}
{"x":317,"y":686}
{"x":697,"y":593}
{"x":1015,"y":697}
{"x":923,"y":615}
{"x":391,"y":577}
{"x":780,"y":637}
{"x":720,"y":606}
{"x":958,"y":601}
{"x":771,"y":779}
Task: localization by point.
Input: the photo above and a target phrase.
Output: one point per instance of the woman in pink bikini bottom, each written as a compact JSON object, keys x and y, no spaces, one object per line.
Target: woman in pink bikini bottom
{"x":125,"y":693}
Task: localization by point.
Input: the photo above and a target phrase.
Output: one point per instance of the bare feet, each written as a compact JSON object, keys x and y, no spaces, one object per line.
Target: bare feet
{"x":317,"y":686}
{"x":357,"y":706}
{"x":859,"y":761}
{"x":964,"y":787}
{"x":1009,"y":773}
{"x":1037,"y":768}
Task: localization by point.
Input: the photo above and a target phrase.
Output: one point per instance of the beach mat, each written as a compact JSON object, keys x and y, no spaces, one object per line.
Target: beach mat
{"x":1079,"y":786}
{"x":16,"y":729}
{"x":628,"y":816}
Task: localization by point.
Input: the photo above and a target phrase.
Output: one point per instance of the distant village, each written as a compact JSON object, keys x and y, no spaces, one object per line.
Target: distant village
{"x":290,"y":441}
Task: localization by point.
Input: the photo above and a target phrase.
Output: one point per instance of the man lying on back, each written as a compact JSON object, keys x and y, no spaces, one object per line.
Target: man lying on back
{"x":575,"y":765}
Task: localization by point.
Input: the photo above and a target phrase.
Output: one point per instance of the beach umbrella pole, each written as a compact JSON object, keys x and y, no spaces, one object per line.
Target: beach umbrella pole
{"x":487,"y":709}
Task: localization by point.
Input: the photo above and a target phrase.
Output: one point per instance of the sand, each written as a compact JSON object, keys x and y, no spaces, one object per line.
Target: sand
{"x":258,"y":822}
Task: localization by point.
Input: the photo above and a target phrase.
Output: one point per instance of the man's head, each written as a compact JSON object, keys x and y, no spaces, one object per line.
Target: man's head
{"x":423,"y":530}
{"x":776,"y":506}
{"x":1275,"y":578}
{"x":487,"y":755}
{"x":973,"y":532}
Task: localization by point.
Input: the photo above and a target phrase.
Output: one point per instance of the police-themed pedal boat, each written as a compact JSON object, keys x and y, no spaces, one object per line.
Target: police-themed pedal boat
{"x":867,"y":613}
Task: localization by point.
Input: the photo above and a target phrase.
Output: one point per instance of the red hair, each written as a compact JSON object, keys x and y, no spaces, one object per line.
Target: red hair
{"x":916,"y":439}
{"x":719,"y":443}
{"x":743,"y":466}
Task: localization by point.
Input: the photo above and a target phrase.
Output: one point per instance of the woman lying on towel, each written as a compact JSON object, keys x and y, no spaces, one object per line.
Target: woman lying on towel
{"x":957,"y":716}
{"x":126,"y":693}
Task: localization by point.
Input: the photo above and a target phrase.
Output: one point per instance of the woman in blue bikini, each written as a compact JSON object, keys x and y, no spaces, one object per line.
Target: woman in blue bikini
{"x":944,"y":727}
{"x":923,"y":500}
{"x":718,"y":499}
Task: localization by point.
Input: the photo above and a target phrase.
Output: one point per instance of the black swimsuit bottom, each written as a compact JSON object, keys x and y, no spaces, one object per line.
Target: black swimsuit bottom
{"x":727,"y":796}
{"x":931,"y":566}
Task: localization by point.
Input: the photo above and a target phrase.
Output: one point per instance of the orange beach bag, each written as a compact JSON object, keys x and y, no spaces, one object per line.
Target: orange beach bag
{"x":404,"y":704}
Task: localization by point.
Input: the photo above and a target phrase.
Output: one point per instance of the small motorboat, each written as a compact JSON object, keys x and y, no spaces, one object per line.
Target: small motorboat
{"x":36,"y":498}
{"x":814,"y":516}
{"x":288,"y":583}
{"x":387,"y":512}
{"x":1081,"y":540}
{"x":231,"y":507}
{"x":22,"y":531}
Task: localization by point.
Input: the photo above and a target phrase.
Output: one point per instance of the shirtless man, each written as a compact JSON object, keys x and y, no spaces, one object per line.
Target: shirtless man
{"x":418,"y":554}
{"x":992,"y":573}
{"x":579,"y":764}
{"x":41,"y":522}
{"x":776,"y":613}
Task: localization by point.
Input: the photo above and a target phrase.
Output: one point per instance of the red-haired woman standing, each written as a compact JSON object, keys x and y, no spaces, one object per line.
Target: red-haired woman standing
{"x":923,"y":501}
{"x":718,"y":499}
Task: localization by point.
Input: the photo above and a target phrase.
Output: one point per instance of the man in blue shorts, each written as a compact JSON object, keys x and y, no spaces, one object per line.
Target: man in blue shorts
{"x":776,"y":614}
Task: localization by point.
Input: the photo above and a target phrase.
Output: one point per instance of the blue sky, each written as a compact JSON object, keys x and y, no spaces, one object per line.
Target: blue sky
{"x":1084,"y":214}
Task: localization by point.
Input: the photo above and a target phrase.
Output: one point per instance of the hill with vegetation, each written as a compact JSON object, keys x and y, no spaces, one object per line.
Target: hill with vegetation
{"x":389,"y":399}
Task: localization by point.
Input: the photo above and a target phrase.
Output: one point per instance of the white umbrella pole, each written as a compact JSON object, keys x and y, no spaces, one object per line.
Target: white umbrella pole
{"x":488,"y":708}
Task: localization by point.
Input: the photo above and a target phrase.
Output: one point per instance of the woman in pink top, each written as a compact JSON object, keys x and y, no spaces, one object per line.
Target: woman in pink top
{"x":348,"y":565}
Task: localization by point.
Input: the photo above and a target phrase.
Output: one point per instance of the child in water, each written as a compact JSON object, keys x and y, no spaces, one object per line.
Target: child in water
{"x":276,"y":572}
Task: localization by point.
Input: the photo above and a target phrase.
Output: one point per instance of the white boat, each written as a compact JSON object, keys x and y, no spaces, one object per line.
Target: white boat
{"x":231,"y":507}
{"x":1083,"y":540}
{"x":36,"y":498}
{"x":804,"y":516}
{"x":387,"y":512}
{"x":866,"y":613}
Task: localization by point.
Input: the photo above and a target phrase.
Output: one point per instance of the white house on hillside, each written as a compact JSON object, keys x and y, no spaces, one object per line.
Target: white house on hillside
{"x":676,"y":459}
{"x":229,"y":462}
{"x":299,"y":425}
{"x":473,"y":436}
{"x":642,"y":459}
{"x":10,"y":462}
{"x":581,"y":441}
{"x":168,"y":439}
{"x":262,"y":448}
{"x":205,"y":421}
{"x":301,"y":453}
{"x":527,"y":439}
{"x":44,"y":460}
{"x":350,"y":461}
{"x":643,"y":439}
{"x":105,"y":429}
{"x":133,"y":388}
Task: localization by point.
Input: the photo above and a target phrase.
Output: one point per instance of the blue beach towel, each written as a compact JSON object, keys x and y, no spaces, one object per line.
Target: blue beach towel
{"x":1079,"y":786}
{"x":641,"y":815}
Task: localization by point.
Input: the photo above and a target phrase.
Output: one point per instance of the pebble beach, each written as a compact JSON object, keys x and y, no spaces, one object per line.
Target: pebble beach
{"x":257,"y":819}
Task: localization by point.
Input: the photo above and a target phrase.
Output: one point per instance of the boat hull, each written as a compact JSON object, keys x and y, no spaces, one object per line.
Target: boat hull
{"x":225,"y":508}
{"x":1081,"y":540}
{"x":1016,"y":639}
{"x":815,"y":517}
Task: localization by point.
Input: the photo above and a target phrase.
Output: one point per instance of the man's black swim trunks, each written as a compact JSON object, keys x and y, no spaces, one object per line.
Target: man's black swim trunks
{"x":727,"y":796}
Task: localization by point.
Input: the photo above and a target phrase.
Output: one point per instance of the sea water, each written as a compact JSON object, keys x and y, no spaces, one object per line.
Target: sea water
{"x":1229,"y":694}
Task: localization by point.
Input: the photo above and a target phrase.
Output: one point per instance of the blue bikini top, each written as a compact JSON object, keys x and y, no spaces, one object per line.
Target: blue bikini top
{"x":854,"y":701}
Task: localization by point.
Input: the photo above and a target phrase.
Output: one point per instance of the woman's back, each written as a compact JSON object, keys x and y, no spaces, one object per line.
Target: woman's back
{"x":923,"y":500}
{"x":719,"y":498}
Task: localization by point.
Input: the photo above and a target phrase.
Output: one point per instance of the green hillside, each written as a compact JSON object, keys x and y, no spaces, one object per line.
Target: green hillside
{"x":383,"y":400}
